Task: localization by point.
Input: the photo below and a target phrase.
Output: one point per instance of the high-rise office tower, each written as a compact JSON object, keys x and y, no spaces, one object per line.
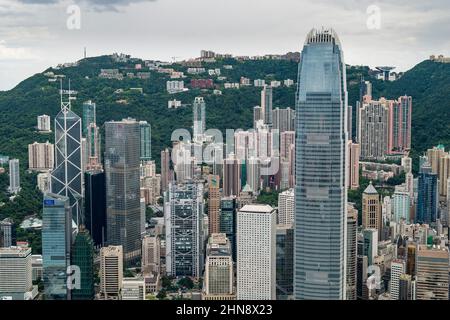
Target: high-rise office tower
{"x":253,"y":169}
{"x":284,"y":261}
{"x":427,"y":198}
{"x":283,"y":119}
{"x":405,"y":287}
{"x":257,"y":115}
{"x":219,"y":272}
{"x":165,"y":169}
{"x":397,"y":269}
{"x":89,"y":116}
{"x":183,"y":215}
{"x":123,"y":208}
{"x":373,"y":130}
{"x":256,"y":253}
{"x":199,"y":116}
{"x":228,"y":220}
{"x":111,"y":271}
{"x":231,"y":176}
{"x":401,"y":205}
{"x":371,"y":209}
{"x":353,"y":165}
{"x":286,"y":207}
{"x":361,"y":277}
{"x":14,"y":176}
{"x":43,"y":123}
{"x":83,"y":257}
{"x":287,"y":139}
{"x":146,"y":140}
{"x":266,"y":104}
{"x":95,"y":205}
{"x":370,"y":245}
{"x":213,"y":204}
{"x":56,"y":245}
{"x":352,"y":230}
{"x":93,"y":158}
{"x":411,"y":259}
{"x":320,"y":192}
{"x":41,"y":156}
{"x":444,"y":175}
{"x":7,"y":233}
{"x":67,"y":179}
{"x":432,"y":273}
{"x":151,"y":254}
{"x":15,"y":274}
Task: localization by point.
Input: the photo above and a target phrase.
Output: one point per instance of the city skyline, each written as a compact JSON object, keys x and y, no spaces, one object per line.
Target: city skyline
{"x":157,"y":204}
{"x":31,"y":31}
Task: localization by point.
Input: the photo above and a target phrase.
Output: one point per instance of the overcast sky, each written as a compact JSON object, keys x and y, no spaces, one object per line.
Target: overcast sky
{"x":34,"y":33}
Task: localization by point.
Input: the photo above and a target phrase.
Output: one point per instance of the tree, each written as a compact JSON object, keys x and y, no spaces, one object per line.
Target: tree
{"x":186,"y":282}
{"x":162,"y":294}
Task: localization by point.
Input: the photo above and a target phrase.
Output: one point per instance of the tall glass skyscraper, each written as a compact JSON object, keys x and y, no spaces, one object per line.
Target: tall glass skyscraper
{"x":67,"y":179}
{"x":199,"y":110}
{"x":56,"y":245}
{"x":183,"y":215}
{"x":146,"y":140}
{"x":88,"y":115}
{"x":320,"y":190}
{"x":428,"y":196}
{"x":123,"y":208}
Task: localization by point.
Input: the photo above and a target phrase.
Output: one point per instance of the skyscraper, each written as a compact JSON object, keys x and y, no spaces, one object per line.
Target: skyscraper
{"x":352,"y":228}
{"x":111,"y":271}
{"x":284,"y":261}
{"x":7,"y":233}
{"x":219,"y":273}
{"x":320,"y":192}
{"x":183,"y":215}
{"x":83,"y":257}
{"x":41,"y":156}
{"x":89,"y":116}
{"x":231,"y":176}
{"x":146,"y":140}
{"x":165,"y":169}
{"x":56,"y":245}
{"x":256,"y":256}
{"x":213,"y":204}
{"x":373,"y":130}
{"x":43,"y":123}
{"x":92,"y":157}
{"x":257,"y":115}
{"x":123,"y":208}
{"x":67,"y":179}
{"x":371,"y":209}
{"x":283,"y":119}
{"x":266,"y":104}
{"x":15,"y":274}
{"x":151,"y":254}
{"x":353,"y":165}
{"x":95,"y":205}
{"x":286,"y":207}
{"x":228,"y":220}
{"x":397,"y":269}
{"x":428,"y":197}
{"x":432,"y":273}
{"x":14,"y":176}
{"x":199,"y":116}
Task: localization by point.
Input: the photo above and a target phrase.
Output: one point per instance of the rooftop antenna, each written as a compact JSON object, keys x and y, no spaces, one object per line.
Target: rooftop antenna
{"x":85,"y":52}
